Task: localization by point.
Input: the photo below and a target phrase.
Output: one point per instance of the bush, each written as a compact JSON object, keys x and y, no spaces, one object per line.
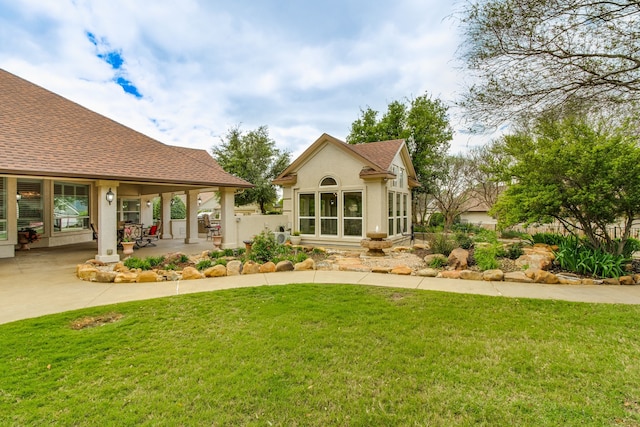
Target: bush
{"x":438,"y":262}
{"x":441,"y":243}
{"x":574,"y":256}
{"x":203,"y":264}
{"x":133,"y":262}
{"x":513,"y":234}
{"x":485,"y":256}
{"x":546,"y":238}
{"x":514,"y":251}
{"x":436,"y":220}
{"x":155,"y":261}
{"x":486,"y":236}
{"x":264,"y":247}
{"x":464,"y":240}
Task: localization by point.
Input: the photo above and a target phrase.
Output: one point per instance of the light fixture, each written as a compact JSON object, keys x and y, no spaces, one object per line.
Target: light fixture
{"x":18,"y":196}
{"x":199,"y":201}
{"x":173,"y":201}
{"x":110,"y":196}
{"x":148,"y":203}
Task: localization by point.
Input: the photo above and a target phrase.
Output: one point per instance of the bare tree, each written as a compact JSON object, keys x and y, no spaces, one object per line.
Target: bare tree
{"x":527,"y":56}
{"x":451,"y":194}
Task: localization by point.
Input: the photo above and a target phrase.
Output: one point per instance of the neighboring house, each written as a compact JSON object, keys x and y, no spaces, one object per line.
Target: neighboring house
{"x":335,"y":193}
{"x":64,"y":168}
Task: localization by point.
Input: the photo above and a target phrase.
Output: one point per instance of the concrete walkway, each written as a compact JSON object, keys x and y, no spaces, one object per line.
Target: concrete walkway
{"x":43,"y":281}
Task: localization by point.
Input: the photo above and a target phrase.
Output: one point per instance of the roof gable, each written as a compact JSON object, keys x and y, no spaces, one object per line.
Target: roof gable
{"x":42,"y":133}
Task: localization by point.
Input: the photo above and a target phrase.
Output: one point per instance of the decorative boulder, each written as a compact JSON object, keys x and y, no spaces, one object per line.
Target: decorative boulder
{"x":569,"y":279}
{"x":427,"y":272}
{"x":470,"y":275}
{"x":307,"y":264}
{"x":459,"y":259}
{"x":493,"y":275}
{"x":626,"y":280}
{"x":449,"y":274}
{"x":105,"y":276}
{"x":86,"y":271}
{"x":402,"y":270}
{"x":285,"y":265}
{"x":535,"y":261}
{"x":250,"y":267}
{"x":216,"y":271}
{"x":126,"y":277}
{"x":147,"y":276}
{"x":268,"y":267}
{"x":542,"y":276}
{"x":191,"y":273}
{"x":517,"y":276}
{"x":234,"y":268}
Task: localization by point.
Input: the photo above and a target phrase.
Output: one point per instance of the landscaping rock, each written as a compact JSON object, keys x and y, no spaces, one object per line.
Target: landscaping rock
{"x":470,"y":275}
{"x":268,"y":267}
{"x":493,"y":275}
{"x":402,"y":270}
{"x":120,"y":268}
{"x":306,"y":265}
{"x":191,"y":273}
{"x":535,"y":261}
{"x":449,"y":274}
{"x":285,"y":265}
{"x":234,"y":268}
{"x":419,"y":246}
{"x":591,"y":282}
{"x":626,"y":280}
{"x":86,"y":272}
{"x":105,"y":276}
{"x":216,"y":271}
{"x":459,"y":259}
{"x":610,"y":281}
{"x":517,"y":277}
{"x":250,"y":267}
{"x":126,"y":277}
{"x":542,"y":276}
{"x":147,"y":276}
{"x":427,"y":272}
{"x":382,"y":270}
{"x":569,"y":279}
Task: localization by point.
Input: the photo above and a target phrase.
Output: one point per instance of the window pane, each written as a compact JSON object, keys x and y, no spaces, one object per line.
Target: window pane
{"x":30,"y":205}
{"x":390,"y":209}
{"x":353,"y":227}
{"x":307,"y":226}
{"x":328,"y":181}
{"x":329,"y":227}
{"x":353,"y":205}
{"x":329,"y":205}
{"x":70,"y":206}
{"x":307,"y":205}
{"x":398,"y":204}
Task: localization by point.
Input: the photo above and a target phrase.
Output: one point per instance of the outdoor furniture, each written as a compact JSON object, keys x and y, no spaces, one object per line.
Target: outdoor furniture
{"x":152,"y":233}
{"x":211,"y":229}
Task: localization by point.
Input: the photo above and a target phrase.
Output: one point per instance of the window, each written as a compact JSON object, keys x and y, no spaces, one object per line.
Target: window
{"x":130,"y":211}
{"x":401,"y":184}
{"x":328,"y":181}
{"x":307,"y":217}
{"x":394,"y":169}
{"x":398,"y":209}
{"x":30,"y":205}
{"x":352,"y":214}
{"x":329,"y":214}
{"x":3,"y":209}
{"x":70,"y":206}
{"x":390,"y":212}
{"x":405,"y":218}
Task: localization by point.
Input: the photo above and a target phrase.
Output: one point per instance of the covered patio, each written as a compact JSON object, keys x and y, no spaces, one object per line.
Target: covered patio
{"x":66,"y":171}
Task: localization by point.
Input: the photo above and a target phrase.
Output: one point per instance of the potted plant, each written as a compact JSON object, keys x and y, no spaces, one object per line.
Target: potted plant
{"x":295,"y":238}
{"x":27,"y":236}
{"x":127,"y":241}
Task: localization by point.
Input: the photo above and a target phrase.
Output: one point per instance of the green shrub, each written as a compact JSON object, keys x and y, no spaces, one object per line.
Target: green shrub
{"x":204,"y":264}
{"x":441,"y":243}
{"x":171,"y":266}
{"x":575,"y":256}
{"x":155,"y":261}
{"x":464,"y":240}
{"x":228,"y":252}
{"x":485,"y":256}
{"x":514,"y":251}
{"x":513,"y":234}
{"x":438,"y":262}
{"x":264,"y":247}
{"x":436,"y":220}
{"x":486,"y":236}
{"x":220,"y":261}
{"x":134,"y":262}
{"x":546,"y":238}
{"x":183,"y":258}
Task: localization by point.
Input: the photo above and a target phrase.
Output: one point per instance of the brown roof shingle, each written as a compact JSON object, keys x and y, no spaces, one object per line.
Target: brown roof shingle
{"x":42,"y":133}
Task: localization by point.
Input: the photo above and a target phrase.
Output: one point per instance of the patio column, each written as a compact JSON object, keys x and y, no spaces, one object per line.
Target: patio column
{"x":228,"y":219}
{"x":192,"y":217}
{"x":165,"y":214}
{"x":107,"y":222}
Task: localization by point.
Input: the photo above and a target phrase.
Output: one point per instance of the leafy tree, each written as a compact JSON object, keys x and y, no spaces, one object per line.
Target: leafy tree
{"x":178,"y":208}
{"x":451,"y":193}
{"x":422,"y":122}
{"x":254,"y":157}
{"x":530,"y":55}
{"x":582,"y":172}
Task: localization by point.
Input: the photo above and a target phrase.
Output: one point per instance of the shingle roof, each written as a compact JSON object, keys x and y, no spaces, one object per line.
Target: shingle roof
{"x":381,"y":153}
{"x":44,"y":134}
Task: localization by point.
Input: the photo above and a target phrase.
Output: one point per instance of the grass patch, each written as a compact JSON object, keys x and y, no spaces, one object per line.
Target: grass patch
{"x":318,"y":355}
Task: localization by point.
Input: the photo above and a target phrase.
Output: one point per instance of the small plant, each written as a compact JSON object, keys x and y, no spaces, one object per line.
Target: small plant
{"x":183,"y":258}
{"x":553,"y":239}
{"x":203,"y":264}
{"x":513,"y":234}
{"x":485,"y":256}
{"x":464,"y":240}
{"x":441,"y":243}
{"x":486,"y":236}
{"x":228,"y":252}
{"x":438,"y":262}
{"x":171,"y":266}
{"x":215,"y":254}
{"x":295,"y":233}
{"x":514,"y":251}
{"x":220,"y":261}
{"x":155,"y":261}
{"x":264,"y":247}
{"x":133,"y":263}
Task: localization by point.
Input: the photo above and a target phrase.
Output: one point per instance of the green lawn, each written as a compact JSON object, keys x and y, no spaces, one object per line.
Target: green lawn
{"x":318,"y":355}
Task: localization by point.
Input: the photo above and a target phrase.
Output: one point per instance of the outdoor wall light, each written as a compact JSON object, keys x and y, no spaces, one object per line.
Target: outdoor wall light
{"x":148,"y":203}
{"x":199,"y":201}
{"x":18,"y":196}
{"x":110,"y":196}
{"x":173,"y":201}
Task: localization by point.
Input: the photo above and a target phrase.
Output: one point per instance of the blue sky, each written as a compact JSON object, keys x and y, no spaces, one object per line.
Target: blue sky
{"x":185,"y":72}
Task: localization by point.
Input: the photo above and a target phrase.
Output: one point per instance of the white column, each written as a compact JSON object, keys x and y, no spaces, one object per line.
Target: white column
{"x":146,"y":212}
{"x":165,"y":214}
{"x":228,"y":220}
{"x":192,"y":217}
{"x":107,"y":223}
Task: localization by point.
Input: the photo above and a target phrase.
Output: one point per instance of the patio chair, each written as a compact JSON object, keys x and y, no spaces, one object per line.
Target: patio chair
{"x":95,"y":232}
{"x":152,"y":233}
{"x":211,"y":229}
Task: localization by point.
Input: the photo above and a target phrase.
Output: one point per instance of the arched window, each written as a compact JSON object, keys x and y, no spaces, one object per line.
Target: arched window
{"x":327,"y":182}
